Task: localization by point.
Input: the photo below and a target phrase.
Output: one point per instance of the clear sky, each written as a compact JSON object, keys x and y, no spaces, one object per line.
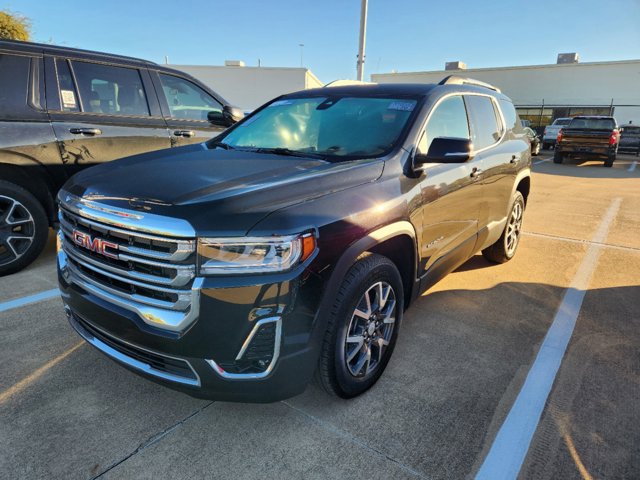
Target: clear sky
{"x":402,"y":35}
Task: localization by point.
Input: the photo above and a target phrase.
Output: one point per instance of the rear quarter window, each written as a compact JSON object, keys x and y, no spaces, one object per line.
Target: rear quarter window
{"x":511,"y":118}
{"x":14,"y":82}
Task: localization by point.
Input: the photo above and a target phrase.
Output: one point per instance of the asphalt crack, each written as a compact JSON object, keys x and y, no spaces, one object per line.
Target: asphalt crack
{"x":153,"y":440}
{"x":328,"y":426}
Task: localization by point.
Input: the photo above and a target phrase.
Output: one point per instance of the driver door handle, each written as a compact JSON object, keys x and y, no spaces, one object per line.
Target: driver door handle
{"x":85,"y":131}
{"x":475,"y":173}
{"x":184,"y":133}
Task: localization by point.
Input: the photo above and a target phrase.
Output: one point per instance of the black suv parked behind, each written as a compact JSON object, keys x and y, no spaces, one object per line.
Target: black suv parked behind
{"x":293,"y":242}
{"x":63,"y":109}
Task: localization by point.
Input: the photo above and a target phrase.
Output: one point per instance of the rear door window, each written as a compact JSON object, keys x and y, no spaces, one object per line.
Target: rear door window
{"x":14,"y":81}
{"x":67,"y":88}
{"x":110,"y":89}
{"x":486,"y":127}
{"x":186,"y":100}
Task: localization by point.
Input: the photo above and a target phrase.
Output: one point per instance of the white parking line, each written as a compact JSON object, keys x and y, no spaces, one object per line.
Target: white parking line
{"x":511,"y":444}
{"x":22,"y":301}
{"x":633,"y":166}
{"x":541,"y":161}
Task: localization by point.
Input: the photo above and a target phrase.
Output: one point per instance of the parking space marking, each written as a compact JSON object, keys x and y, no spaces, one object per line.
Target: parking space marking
{"x":22,"y":301}
{"x":25,"y":382}
{"x":583,"y":242}
{"x":633,"y":166}
{"x":541,"y":161}
{"x":510,"y":447}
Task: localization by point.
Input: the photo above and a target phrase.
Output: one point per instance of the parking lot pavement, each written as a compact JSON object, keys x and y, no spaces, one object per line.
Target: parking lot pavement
{"x":464,"y":352}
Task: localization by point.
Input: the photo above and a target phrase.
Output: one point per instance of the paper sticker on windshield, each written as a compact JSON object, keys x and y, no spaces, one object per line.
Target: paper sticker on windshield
{"x":68,"y":98}
{"x":281,"y":102}
{"x":402,"y":106}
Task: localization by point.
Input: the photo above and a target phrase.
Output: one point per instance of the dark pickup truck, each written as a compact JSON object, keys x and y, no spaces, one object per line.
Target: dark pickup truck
{"x":588,"y":137}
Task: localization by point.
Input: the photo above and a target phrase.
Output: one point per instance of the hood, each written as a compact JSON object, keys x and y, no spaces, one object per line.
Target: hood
{"x":222,"y":192}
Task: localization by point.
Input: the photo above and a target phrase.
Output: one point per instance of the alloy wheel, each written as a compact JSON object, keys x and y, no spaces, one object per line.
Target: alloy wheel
{"x":513,"y":228}
{"x":17,"y":230}
{"x":370,"y":329}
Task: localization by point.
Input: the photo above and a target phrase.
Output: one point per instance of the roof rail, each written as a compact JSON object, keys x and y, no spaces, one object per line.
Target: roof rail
{"x":344,"y":83}
{"x":456,"y":80}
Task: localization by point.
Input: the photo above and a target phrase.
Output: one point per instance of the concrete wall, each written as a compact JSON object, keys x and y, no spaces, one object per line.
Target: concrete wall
{"x":581,"y":84}
{"x":250,"y":87}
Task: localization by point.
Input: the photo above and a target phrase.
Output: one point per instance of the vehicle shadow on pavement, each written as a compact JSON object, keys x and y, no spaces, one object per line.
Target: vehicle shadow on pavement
{"x":461,"y":358}
{"x":590,"y":168}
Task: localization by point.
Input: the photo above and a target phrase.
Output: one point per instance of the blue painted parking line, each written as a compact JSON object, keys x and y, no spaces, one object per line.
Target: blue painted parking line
{"x":22,"y":301}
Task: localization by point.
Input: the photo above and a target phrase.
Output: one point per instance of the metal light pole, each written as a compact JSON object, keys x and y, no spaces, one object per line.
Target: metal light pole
{"x":301,"y":45}
{"x":363,"y":35}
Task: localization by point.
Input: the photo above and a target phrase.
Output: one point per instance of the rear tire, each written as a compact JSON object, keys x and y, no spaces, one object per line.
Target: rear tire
{"x":546,"y":146}
{"x":23,"y":228}
{"x":505,"y":248}
{"x":362,"y":330}
{"x":610,"y":159}
{"x":557,"y":157}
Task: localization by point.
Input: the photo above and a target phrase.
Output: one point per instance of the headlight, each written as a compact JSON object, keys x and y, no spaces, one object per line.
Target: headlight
{"x":238,"y":255}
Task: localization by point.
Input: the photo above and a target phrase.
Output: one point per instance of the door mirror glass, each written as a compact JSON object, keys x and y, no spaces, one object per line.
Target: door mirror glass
{"x":446,"y":150}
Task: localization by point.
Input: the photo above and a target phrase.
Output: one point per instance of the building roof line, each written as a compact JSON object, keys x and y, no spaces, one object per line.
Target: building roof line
{"x":520,"y":67}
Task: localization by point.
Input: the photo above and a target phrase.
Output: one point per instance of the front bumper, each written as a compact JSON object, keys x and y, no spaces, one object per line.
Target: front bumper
{"x":197,"y":361}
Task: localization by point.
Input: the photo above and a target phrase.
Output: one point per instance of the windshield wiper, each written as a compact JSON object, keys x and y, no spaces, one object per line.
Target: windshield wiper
{"x":291,"y":153}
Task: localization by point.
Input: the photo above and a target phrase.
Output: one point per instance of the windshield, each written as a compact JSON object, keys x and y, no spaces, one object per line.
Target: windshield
{"x":338,"y":128}
{"x":562,"y":121}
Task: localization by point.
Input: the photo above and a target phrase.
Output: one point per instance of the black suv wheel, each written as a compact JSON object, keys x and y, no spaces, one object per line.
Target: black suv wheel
{"x":23,"y":228}
{"x":363,"y":327}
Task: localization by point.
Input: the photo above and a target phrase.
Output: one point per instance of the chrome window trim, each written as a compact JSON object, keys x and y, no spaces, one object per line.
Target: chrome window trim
{"x":132,"y":362}
{"x":126,"y":218}
{"x":253,"y":376}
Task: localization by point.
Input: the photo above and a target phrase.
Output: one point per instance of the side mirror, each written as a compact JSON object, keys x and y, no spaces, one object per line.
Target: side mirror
{"x":446,"y":150}
{"x":227,"y":117}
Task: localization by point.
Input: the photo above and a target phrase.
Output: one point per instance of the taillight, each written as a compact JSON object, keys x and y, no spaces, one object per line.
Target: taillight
{"x":559,"y":137}
{"x":545,"y":131}
{"x":613,"y":139}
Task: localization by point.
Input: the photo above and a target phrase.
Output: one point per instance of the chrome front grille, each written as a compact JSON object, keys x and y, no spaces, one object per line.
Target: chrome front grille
{"x":150,"y":274}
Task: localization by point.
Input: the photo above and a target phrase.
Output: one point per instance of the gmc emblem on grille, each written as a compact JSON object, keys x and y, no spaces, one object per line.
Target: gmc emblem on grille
{"x":97,"y":245}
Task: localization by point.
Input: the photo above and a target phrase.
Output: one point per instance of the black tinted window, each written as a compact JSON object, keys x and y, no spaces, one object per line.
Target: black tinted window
{"x":111,"y":90}
{"x":186,"y":100}
{"x":593,"y":123}
{"x":485,"y":126}
{"x":449,"y":119}
{"x":14,"y":80}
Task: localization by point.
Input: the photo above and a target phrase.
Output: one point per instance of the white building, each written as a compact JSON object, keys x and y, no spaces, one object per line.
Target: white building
{"x":544,"y":92}
{"x":250,"y":87}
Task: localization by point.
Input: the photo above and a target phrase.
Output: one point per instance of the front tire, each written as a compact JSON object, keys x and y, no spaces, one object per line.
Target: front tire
{"x":362,"y":328}
{"x":23,"y":228}
{"x":505,"y":248}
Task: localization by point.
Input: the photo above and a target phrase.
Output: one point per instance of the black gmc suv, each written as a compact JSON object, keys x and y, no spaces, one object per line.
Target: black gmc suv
{"x":293,"y":242}
{"x":64,"y":109}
